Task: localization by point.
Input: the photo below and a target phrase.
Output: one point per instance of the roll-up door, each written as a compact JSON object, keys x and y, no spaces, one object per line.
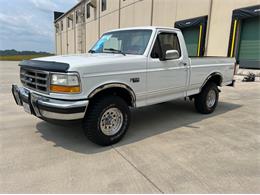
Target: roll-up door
{"x":191,"y":37}
{"x":244,"y":41}
{"x":249,"y":46}
{"x":194,"y":32}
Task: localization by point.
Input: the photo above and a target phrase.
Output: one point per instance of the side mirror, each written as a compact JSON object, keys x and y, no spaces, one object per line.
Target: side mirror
{"x":171,"y":55}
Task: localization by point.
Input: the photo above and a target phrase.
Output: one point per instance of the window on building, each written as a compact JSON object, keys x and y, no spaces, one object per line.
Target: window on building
{"x":57,"y":26}
{"x":103,"y":5}
{"x":70,"y":21}
{"x":88,"y":11}
{"x":77,"y":17}
{"x":164,"y":42}
{"x":61,"y":24}
{"x":83,"y":15}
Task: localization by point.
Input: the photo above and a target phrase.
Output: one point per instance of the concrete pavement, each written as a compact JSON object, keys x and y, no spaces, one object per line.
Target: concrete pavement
{"x":169,"y":148}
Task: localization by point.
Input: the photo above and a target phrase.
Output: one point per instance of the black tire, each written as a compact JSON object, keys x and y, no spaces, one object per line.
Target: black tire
{"x":200,"y":102}
{"x":92,"y":120}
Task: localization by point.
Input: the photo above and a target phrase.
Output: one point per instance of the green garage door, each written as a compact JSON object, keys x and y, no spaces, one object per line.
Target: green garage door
{"x":191,"y":36}
{"x":249,"y":46}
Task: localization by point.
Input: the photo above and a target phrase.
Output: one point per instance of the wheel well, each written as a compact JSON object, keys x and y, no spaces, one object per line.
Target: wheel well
{"x":215,"y":78}
{"x":124,"y":93}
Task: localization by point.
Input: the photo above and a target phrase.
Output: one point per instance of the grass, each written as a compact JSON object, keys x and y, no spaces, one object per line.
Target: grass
{"x":20,"y":57}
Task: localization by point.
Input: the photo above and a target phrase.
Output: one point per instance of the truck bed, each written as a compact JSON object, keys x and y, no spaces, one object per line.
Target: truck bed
{"x":201,"y":67}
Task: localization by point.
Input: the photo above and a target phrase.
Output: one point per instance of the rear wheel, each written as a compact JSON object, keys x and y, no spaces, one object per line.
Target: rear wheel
{"x":107,"y":120}
{"x":207,"y":100}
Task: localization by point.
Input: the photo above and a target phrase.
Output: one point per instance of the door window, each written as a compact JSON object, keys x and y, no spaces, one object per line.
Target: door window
{"x":164,"y":42}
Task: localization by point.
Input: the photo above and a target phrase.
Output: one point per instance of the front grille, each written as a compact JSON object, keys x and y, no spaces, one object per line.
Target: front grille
{"x":35,"y":79}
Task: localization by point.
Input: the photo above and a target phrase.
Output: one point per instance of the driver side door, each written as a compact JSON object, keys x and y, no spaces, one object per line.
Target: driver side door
{"x":166,"y":79}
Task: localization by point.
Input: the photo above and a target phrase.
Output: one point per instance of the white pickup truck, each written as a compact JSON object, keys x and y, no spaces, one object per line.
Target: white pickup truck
{"x":126,"y":68}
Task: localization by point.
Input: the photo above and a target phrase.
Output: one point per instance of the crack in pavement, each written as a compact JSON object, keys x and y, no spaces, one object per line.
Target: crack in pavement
{"x":138,"y":170}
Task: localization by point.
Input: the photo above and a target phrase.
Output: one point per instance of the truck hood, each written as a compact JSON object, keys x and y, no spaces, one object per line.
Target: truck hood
{"x":80,"y":61}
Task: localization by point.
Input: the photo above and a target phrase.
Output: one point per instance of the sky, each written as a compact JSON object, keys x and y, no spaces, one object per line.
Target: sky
{"x":28,"y":24}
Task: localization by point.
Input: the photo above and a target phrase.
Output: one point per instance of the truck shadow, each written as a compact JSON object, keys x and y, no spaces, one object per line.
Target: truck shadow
{"x":146,"y":122}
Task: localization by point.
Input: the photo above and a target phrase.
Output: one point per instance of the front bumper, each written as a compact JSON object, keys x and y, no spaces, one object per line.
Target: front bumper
{"x":49,"y":108}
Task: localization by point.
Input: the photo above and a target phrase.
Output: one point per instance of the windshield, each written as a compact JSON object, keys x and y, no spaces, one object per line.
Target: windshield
{"x":124,"y":42}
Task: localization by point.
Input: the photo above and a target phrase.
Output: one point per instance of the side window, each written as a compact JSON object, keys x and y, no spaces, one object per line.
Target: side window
{"x":156,"y":52}
{"x":61,"y":25}
{"x":77,"y":17}
{"x":88,"y":11}
{"x":164,"y":42}
{"x":103,"y":5}
{"x":57,"y":26}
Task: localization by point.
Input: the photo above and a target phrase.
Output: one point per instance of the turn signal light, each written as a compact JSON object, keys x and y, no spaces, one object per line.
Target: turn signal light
{"x":64,"y":89}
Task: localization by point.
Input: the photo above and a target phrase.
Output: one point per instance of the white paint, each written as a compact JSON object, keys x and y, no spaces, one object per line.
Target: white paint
{"x":159,"y":80}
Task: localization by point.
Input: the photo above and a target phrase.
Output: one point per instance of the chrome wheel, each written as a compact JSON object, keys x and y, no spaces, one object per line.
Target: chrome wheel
{"x":211,"y":98}
{"x":111,"y":121}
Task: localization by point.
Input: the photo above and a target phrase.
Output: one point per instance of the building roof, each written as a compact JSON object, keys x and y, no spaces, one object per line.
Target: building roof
{"x":64,"y":14}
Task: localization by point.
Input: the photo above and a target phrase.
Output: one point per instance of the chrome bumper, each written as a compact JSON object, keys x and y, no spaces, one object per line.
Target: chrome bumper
{"x":49,"y":108}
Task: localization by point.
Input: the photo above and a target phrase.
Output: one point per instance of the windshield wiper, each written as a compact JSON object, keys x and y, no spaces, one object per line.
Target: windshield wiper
{"x":91,"y":51}
{"x":115,"y":50}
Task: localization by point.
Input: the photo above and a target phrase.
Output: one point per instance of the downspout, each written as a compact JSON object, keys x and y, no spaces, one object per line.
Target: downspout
{"x":151,"y":22}
{"x":55,"y":32}
{"x":99,"y":19}
{"x":67,"y":35}
{"x":60,"y":43}
{"x":119,"y":14}
{"x":75,"y":31}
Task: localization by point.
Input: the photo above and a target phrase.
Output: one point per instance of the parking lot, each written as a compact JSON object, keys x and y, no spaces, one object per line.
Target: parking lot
{"x":169,"y":148}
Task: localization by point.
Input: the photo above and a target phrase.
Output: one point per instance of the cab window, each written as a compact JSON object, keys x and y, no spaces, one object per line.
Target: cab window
{"x":164,"y":42}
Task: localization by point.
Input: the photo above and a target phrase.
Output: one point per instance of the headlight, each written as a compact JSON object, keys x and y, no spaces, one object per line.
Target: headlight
{"x":65,"y":83}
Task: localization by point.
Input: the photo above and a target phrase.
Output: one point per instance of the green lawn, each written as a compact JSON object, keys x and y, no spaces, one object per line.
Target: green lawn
{"x":19,"y":57}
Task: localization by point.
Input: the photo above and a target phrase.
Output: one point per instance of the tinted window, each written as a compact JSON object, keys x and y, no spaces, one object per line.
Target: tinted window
{"x":164,"y":42}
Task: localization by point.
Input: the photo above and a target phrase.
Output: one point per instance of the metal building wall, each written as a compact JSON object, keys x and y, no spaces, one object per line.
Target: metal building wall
{"x":128,"y":13}
{"x":220,"y":25}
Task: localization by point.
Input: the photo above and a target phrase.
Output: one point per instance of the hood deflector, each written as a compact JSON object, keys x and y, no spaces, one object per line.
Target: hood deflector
{"x":45,"y":65}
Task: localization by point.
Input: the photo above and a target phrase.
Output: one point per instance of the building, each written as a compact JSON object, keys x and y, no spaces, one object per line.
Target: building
{"x":210,"y":27}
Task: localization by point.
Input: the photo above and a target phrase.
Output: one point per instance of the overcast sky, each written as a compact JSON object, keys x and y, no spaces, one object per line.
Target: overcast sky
{"x":28,"y":24}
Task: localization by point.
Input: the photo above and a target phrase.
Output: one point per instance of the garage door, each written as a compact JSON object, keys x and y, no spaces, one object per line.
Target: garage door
{"x":249,"y":46}
{"x":191,"y":36}
{"x":194,"y":31}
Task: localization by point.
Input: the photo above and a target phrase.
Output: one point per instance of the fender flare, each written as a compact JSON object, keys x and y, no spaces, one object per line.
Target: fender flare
{"x":115,"y":85}
{"x":210,"y":76}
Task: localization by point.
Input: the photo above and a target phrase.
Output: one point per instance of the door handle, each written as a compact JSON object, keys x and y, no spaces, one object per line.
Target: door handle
{"x":183,"y":63}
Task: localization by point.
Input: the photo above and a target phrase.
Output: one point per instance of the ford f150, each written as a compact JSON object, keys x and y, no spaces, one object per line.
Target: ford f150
{"x":126,"y":68}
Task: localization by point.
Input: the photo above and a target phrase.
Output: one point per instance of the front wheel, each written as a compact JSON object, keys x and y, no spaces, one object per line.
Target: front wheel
{"x":107,"y":120}
{"x":207,"y":100}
